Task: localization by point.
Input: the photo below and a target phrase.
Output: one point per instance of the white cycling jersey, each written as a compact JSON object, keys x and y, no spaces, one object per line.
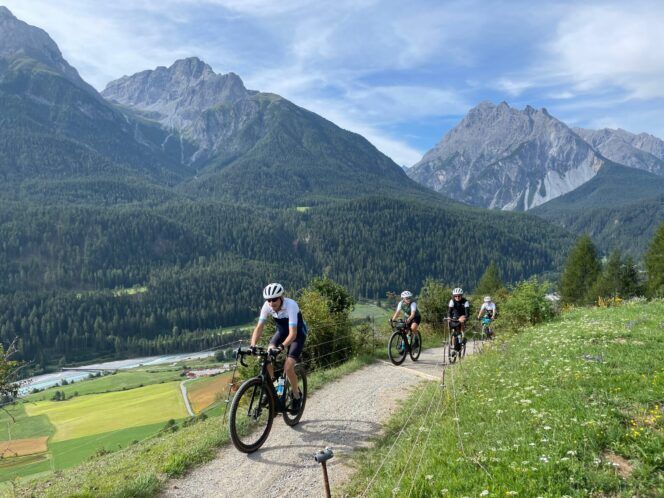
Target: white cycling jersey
{"x":491,"y":307}
{"x":289,"y":309}
{"x":413,"y":306}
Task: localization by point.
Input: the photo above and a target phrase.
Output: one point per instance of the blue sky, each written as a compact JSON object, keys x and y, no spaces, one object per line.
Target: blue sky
{"x":400,"y":73}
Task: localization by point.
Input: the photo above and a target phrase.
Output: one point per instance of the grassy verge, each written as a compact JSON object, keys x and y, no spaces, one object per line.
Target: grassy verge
{"x":571,"y":408}
{"x":141,"y":469}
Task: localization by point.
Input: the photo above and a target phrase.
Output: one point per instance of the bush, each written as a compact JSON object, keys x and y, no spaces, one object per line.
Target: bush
{"x":527,"y":305}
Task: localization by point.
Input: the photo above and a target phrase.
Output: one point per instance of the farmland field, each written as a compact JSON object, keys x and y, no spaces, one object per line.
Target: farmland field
{"x":119,"y":381}
{"x":100,"y":413}
{"x":206,"y":391}
{"x":363,"y":310}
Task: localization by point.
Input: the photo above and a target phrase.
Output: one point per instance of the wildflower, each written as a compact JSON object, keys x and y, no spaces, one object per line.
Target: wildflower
{"x":546,"y":428}
{"x":571,"y":453}
{"x":544,"y":459}
{"x":564,"y":459}
{"x":484,"y":493}
{"x":511,"y":493}
{"x":428,"y":477}
{"x":444,"y":491}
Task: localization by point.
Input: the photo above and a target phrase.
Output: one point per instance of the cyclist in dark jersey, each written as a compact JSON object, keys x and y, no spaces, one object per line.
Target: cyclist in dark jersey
{"x":459,"y":309}
{"x":291,"y":332}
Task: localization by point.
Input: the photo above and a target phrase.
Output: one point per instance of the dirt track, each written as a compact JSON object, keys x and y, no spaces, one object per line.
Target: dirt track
{"x":344,"y":415}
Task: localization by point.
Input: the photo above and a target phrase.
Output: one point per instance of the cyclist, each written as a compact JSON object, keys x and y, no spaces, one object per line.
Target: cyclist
{"x":291,"y":333}
{"x":410,"y":312}
{"x":488,"y":310}
{"x":458,"y":309}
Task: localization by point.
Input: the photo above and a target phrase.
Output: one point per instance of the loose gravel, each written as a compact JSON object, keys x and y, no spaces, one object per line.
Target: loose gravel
{"x":344,"y":415}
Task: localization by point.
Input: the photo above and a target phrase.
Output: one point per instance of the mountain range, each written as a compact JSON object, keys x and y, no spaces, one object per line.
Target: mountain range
{"x":505,"y":158}
{"x":183,"y":183}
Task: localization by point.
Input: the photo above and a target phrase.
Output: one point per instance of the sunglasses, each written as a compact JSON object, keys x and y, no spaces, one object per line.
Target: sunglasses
{"x":273,"y":299}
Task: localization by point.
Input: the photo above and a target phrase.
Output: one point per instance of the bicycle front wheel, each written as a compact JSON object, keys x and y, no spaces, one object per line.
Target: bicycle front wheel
{"x":292,"y":417}
{"x":416,"y":346}
{"x":251,"y":417}
{"x":397,"y":348}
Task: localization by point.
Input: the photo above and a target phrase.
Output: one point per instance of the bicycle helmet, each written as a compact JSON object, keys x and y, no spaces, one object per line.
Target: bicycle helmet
{"x":406,"y":294}
{"x":273,"y":290}
{"x":458,"y":291}
{"x":487,"y":299}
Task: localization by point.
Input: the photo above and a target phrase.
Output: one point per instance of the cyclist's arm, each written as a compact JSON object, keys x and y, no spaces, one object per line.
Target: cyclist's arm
{"x":413,"y":312}
{"x":292,"y":335}
{"x":258,"y":332}
{"x":396,"y":313}
{"x":293,"y":312}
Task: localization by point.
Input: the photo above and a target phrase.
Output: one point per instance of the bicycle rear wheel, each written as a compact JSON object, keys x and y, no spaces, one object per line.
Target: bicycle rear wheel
{"x":251,"y":417}
{"x":397,"y":348}
{"x":289,"y":417}
{"x":415,"y":346}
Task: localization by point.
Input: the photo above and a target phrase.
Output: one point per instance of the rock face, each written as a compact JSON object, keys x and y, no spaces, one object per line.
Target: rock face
{"x":501,"y":157}
{"x":176,"y":96}
{"x":642,"y":151}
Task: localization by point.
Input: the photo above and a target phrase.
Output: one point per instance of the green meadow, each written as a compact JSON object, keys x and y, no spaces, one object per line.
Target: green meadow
{"x":571,"y":408}
{"x":95,"y":414}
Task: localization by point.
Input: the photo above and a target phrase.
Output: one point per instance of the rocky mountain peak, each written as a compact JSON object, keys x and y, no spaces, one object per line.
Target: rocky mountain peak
{"x":642,"y":151}
{"x":502,"y":157}
{"x":5,"y":13}
{"x":19,"y":40}
{"x":176,"y":95}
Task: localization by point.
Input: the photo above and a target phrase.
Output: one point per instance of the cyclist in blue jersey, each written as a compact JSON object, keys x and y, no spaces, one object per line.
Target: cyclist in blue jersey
{"x":291,"y":333}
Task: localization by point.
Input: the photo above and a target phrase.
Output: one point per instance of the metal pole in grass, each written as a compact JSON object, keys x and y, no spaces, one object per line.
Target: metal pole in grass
{"x":322,"y":457}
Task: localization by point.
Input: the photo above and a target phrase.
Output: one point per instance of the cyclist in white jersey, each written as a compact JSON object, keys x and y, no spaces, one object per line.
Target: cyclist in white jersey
{"x":291,"y":332}
{"x":488,"y":307}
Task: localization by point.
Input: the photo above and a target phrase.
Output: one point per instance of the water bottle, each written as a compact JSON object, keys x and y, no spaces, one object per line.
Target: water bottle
{"x":280,"y":386}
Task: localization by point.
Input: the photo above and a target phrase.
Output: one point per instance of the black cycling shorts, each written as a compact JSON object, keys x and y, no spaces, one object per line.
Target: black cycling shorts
{"x":295,"y":348}
{"x":417,"y":319}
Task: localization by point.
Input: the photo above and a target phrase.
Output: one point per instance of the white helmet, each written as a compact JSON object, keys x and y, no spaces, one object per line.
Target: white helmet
{"x":487,"y":299}
{"x":273,"y":290}
{"x":458,"y":291}
{"x":406,"y":294}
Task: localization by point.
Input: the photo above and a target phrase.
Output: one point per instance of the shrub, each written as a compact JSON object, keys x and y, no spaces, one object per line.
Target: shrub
{"x":527,"y":305}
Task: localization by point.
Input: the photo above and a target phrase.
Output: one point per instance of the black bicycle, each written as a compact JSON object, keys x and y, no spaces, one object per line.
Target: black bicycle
{"x":456,"y":346}
{"x":403,"y":341}
{"x":257,"y":401}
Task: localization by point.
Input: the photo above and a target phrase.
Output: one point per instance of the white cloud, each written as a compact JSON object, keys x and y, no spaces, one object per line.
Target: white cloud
{"x":616,"y":44}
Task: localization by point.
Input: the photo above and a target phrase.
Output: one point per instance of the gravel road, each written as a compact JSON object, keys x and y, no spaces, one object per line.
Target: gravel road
{"x":344,"y":415}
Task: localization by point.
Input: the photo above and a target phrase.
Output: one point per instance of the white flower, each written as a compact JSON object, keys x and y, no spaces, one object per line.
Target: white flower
{"x":428,"y":477}
{"x":546,"y":428}
{"x":484,"y":493}
{"x":571,"y":453}
{"x":564,"y":459}
{"x":544,"y":459}
{"x":511,"y":493}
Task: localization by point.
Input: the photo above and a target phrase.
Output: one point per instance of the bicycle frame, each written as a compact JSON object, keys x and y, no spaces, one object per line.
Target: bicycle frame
{"x":264,"y":376}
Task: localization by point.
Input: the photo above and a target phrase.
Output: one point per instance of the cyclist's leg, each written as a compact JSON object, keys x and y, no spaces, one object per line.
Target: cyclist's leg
{"x":294,"y":352}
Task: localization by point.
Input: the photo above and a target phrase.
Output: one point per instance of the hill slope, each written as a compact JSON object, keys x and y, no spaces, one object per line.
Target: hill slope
{"x":620,"y":208}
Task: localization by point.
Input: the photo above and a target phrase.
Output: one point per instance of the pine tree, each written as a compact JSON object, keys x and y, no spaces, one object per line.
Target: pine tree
{"x":609,"y":282}
{"x":629,"y":279}
{"x":581,"y":271}
{"x":490,"y":282}
{"x":655,"y":263}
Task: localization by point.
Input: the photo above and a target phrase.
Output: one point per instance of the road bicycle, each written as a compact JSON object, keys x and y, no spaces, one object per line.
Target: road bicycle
{"x":403,"y":341}
{"x":257,"y":401}
{"x":487,"y":330}
{"x":456,"y":345}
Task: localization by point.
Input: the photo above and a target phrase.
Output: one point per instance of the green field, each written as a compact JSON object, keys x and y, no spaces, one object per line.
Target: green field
{"x":363,"y":310}
{"x":100,"y":413}
{"x":122,"y":380}
{"x":571,"y":408}
{"x":16,"y":424}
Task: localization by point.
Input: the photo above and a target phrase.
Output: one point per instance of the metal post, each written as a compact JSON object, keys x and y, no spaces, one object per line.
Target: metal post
{"x":322,"y":457}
